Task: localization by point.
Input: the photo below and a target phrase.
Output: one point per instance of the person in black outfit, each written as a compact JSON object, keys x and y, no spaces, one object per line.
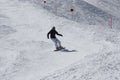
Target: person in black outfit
{"x":53,"y":34}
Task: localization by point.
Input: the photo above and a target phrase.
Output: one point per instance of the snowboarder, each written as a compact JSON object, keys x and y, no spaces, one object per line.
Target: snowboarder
{"x":53,"y":34}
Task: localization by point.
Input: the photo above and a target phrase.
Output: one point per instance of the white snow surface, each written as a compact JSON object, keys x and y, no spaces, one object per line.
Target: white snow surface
{"x":110,"y":6}
{"x":27,"y":54}
{"x":92,"y":1}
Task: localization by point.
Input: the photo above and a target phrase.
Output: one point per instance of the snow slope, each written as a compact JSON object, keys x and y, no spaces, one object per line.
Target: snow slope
{"x":27,"y":54}
{"x":110,"y":6}
{"x":104,"y":66}
{"x":83,"y":11}
{"x":92,"y":1}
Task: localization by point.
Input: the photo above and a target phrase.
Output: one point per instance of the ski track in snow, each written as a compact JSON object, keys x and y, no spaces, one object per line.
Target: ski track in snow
{"x":26,"y":54}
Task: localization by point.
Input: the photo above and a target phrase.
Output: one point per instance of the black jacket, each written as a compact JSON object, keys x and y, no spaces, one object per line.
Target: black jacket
{"x":53,"y":33}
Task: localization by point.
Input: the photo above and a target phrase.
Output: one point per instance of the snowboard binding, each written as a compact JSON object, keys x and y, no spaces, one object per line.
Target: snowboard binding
{"x":59,"y":48}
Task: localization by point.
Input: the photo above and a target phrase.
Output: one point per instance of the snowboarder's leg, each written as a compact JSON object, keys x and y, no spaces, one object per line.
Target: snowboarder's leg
{"x":59,"y":44}
{"x":55,"y":42}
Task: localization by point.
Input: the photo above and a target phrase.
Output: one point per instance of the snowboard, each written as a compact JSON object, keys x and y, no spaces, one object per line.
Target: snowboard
{"x":65,"y":50}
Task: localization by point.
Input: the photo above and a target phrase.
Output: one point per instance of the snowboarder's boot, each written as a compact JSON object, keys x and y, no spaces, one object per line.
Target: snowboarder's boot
{"x":57,"y":49}
{"x":61,"y":47}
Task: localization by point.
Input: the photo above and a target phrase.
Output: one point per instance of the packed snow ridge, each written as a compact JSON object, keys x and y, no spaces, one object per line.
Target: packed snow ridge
{"x":27,"y":54}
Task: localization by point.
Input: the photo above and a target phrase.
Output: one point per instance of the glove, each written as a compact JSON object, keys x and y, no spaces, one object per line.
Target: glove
{"x":61,"y":35}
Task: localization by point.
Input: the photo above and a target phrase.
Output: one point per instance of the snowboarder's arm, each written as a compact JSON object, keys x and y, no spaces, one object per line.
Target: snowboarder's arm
{"x":48,"y":35}
{"x":58,"y":34}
